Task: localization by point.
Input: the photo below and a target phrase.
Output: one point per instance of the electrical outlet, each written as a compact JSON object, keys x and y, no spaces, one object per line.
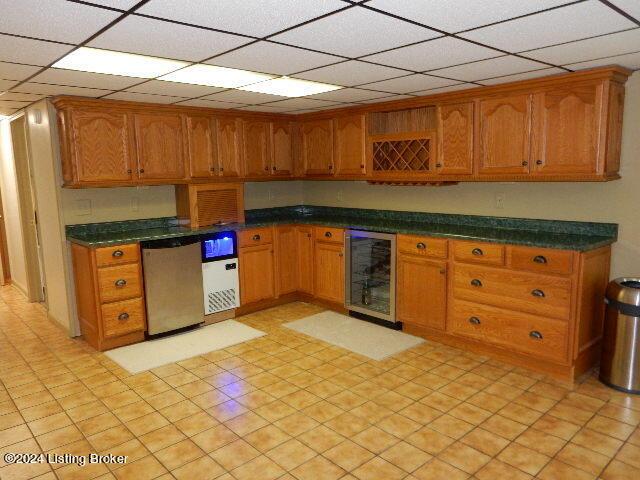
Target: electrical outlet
{"x":135,"y":204}
{"x":339,"y":195}
{"x":83,"y":207}
{"x":500,"y":199}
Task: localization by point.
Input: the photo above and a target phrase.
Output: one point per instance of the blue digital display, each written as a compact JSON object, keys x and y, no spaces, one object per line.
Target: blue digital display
{"x":218,"y":246}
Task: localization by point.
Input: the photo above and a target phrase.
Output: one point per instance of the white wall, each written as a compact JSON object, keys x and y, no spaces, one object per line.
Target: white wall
{"x":9,"y":188}
{"x":615,"y":201}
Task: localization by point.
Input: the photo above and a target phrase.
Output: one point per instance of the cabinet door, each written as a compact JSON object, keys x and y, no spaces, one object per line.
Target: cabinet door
{"x":317,"y":147}
{"x":256,"y":273}
{"x":422,"y":291}
{"x":201,"y":147}
{"x":455,"y":139}
{"x":256,"y":148}
{"x":304,"y":237}
{"x":282,"y":149}
{"x":159,"y":140}
{"x":567,"y":126}
{"x":101,"y":146}
{"x":505,"y":132}
{"x":349,"y":145}
{"x":229,"y":150}
{"x":286,"y":259}
{"x":329,"y":272}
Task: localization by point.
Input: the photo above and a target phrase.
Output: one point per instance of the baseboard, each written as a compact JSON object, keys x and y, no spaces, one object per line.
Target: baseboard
{"x":20,"y":288}
{"x":58,"y":323}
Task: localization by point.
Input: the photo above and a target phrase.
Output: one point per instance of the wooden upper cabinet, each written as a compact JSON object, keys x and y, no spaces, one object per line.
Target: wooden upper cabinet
{"x":282,"y":149}
{"x":567,"y":125}
{"x":349,"y":151}
{"x":201,"y":147}
{"x":228,"y":132}
{"x":504,"y":135}
{"x":256,"y":147}
{"x":101,"y":147}
{"x":455,"y":139}
{"x":317,"y":147}
{"x":160,"y":146}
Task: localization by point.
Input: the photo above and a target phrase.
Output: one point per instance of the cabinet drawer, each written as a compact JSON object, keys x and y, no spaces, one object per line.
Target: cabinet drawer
{"x":527,"y":292}
{"x":119,"y":282}
{"x":117,"y":254}
{"x":255,"y":236}
{"x":423,"y":246}
{"x":536,"y":336}
{"x":124,"y":317}
{"x":478,"y":252}
{"x":328,"y":234}
{"x":543,"y":260}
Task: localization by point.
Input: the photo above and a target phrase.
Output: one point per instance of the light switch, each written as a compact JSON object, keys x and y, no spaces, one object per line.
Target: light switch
{"x":500,"y":199}
{"x":83,"y":207}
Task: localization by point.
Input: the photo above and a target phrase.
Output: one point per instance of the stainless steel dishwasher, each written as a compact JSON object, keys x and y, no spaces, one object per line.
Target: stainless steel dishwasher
{"x":172,"y":283}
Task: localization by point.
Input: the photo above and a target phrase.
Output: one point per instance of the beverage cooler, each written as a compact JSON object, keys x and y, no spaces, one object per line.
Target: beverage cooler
{"x":370,"y":275}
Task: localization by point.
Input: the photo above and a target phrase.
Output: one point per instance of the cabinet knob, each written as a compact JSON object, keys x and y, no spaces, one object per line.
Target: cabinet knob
{"x":362,"y":165}
{"x":341,"y":254}
{"x":540,"y":259}
{"x":330,"y":167}
{"x":117,"y":253}
{"x":120,"y":282}
{"x":438,"y":165}
{"x":537,"y":293}
{"x":266,"y":169}
{"x":476,"y":283}
{"x":539,"y":162}
{"x":477,"y":252}
{"x":255,"y":238}
{"x":328,"y":234}
{"x":141,"y":170}
{"x":129,"y":171}
{"x":420,"y":246}
{"x":308,"y":235}
{"x":525,"y":163}
{"x":213,"y":169}
{"x":222,"y":169}
{"x":474,"y":320}
{"x":274,"y":168}
{"x":123,"y":316}
{"x":536,"y":335}
{"x":443,"y":271}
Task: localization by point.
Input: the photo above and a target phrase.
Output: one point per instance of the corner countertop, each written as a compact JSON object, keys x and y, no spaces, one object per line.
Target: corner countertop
{"x":565,"y":235}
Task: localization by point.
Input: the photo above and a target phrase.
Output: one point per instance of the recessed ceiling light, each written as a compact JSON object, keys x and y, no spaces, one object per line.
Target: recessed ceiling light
{"x":290,"y":87}
{"x":95,"y":60}
{"x":213,"y":76}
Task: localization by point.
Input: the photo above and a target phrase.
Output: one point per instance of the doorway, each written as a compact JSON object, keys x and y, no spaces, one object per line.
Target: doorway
{"x":4,"y":249}
{"x":28,"y":213}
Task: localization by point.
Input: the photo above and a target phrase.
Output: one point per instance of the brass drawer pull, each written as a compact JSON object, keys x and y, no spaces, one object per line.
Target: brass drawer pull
{"x":540,"y":259}
{"x":421,"y":246}
{"x":536,"y":335}
{"x":117,"y":253}
{"x":328,"y":234}
{"x":474,"y":320}
{"x":255,"y":238}
{"x":537,"y":293}
{"x":123,"y":316}
{"x":476,"y":283}
{"x":477,"y":251}
{"x":120,"y":283}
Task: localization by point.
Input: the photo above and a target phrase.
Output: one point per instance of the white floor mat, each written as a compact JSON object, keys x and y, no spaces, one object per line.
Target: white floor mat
{"x":359,"y":336}
{"x":154,"y":353}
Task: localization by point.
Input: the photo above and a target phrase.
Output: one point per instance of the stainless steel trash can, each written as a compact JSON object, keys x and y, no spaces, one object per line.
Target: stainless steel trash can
{"x":620,"y":363}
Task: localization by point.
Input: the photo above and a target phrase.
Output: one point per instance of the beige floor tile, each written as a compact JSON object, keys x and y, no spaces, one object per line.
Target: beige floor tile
{"x":438,"y":470}
{"x":47,"y":424}
{"x":109,"y":438}
{"x":318,"y":468}
{"x":451,"y":426}
{"x":9,"y":420}
{"x":296,"y":424}
{"x":429,"y":440}
{"x":610,"y":427}
{"x":275,"y":411}
{"x":556,"y":470}
{"x":266,"y":438}
{"x":162,"y":438}
{"x":321,"y":438}
{"x":378,"y":468}
{"x":146,"y":468}
{"x":347,"y":424}
{"x":597,"y":442}
{"x":322,"y":411}
{"x":194,"y":424}
{"x":406,"y":456}
{"x":133,"y":449}
{"x":629,"y":454}
{"x":617,"y":470}
{"x":348,"y":455}
{"x":470,"y":413}
{"x":523,"y":458}
{"x":291,"y":454}
{"x":541,"y":442}
{"x":214,"y":438}
{"x":204,"y":468}
{"x":234,"y":454}
{"x":486,"y":442}
{"x":583,"y":458}
{"x":465,"y":458}
{"x":557,"y":427}
{"x":178,"y":454}
{"x":56,"y":438}
{"x":260,"y":467}
{"x":496,"y":469}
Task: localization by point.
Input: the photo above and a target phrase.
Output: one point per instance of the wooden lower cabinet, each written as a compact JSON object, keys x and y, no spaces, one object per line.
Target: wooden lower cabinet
{"x":257,"y":272}
{"x":286,"y":237}
{"x":109,"y":295}
{"x":329,"y":272}
{"x":304,"y":240}
{"x":421,"y":291}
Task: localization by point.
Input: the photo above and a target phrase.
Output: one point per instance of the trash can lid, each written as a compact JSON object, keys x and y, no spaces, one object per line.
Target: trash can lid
{"x":624,"y":290}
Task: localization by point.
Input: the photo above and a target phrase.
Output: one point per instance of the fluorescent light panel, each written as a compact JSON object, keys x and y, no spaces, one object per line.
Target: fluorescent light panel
{"x":95,"y":60}
{"x":290,"y":87}
{"x":213,"y":76}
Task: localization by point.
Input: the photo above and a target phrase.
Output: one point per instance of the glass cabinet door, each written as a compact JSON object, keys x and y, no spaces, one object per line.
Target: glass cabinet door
{"x":370,"y":280}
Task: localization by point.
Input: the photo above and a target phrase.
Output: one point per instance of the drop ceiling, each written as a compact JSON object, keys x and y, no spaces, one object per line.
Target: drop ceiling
{"x":377,"y":50}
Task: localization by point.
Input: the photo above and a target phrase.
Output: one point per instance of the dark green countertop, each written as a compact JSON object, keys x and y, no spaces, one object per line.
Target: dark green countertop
{"x":580,"y":236}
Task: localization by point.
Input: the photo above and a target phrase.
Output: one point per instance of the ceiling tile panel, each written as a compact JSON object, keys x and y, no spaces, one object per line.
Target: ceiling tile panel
{"x":119,"y":4}
{"x":12,"y":104}
{"x":241,"y":96}
{"x":6,"y":84}
{"x":450,"y":88}
{"x":302,"y":103}
{"x":456,"y":15}
{"x":20,"y":97}
{"x":47,"y":90}
{"x":493,"y":67}
{"x":273,"y":58}
{"x":355,"y":32}
{"x":632,"y":7}
{"x":16,"y":71}
{"x":258,"y":18}
{"x":410,"y":83}
{"x":264,"y":108}
{"x":630,"y":61}
{"x":7,"y":111}
{"x":388,"y":99}
{"x":59,"y":76}
{"x":545,"y":72}
{"x":573,"y":22}
{"x":432,"y":54}
{"x":351,"y":73}
{"x":33,"y":52}
{"x":349,"y":95}
{"x":161,"y":87}
{"x":57,"y":20}
{"x":598,"y":47}
{"x":199,"y":102}
{"x":143,"y":97}
{"x":164,"y":39}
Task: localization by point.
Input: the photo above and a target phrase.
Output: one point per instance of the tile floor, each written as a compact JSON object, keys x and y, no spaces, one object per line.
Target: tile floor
{"x":287,"y":406}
